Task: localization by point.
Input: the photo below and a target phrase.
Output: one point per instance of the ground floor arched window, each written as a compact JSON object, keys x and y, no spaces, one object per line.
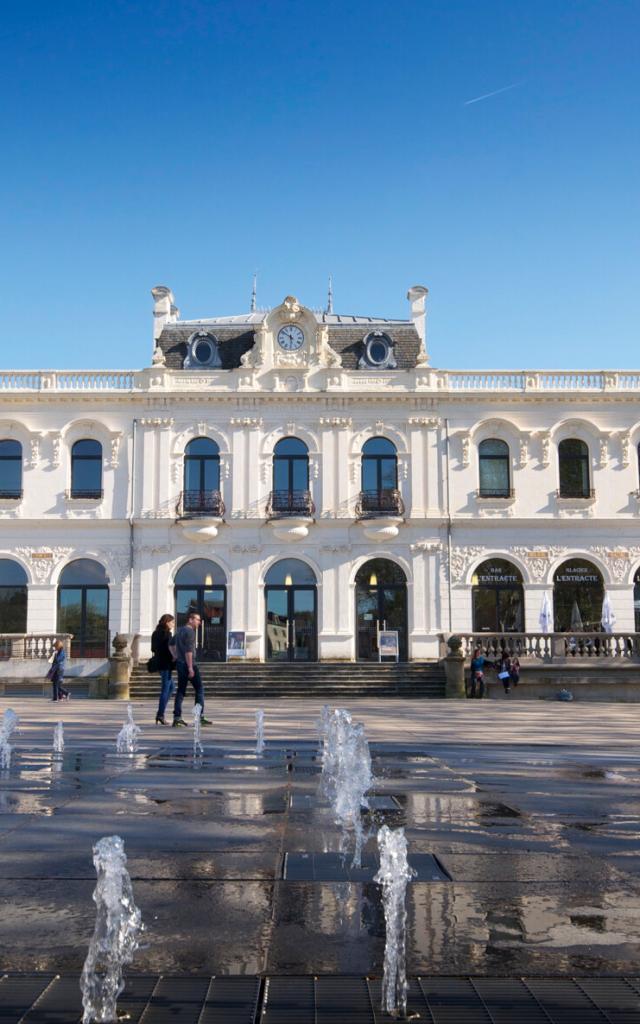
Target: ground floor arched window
{"x":201,"y":586}
{"x":290,"y":608}
{"x":83,"y":608}
{"x":381,"y":603}
{"x":13,"y":597}
{"x":578,"y":592}
{"x":497,"y":597}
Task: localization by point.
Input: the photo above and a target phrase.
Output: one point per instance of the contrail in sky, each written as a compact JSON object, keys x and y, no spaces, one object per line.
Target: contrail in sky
{"x":496,"y":92}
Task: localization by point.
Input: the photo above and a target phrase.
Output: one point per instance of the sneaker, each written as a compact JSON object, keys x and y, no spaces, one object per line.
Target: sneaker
{"x":178,"y":722}
{"x":205,"y":721}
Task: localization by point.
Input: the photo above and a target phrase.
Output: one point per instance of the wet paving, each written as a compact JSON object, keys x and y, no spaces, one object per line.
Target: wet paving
{"x":524,"y":832}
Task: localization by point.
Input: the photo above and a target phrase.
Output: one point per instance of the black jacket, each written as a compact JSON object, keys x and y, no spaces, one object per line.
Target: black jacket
{"x":160,"y":641}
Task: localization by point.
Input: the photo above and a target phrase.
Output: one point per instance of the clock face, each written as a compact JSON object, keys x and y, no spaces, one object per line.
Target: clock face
{"x":290,"y":338}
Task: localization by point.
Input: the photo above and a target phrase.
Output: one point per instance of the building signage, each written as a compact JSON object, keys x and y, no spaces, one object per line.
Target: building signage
{"x":42,"y":554}
{"x":388,"y":644}
{"x":578,"y":575}
{"x":492,"y":576}
{"x":236,"y":644}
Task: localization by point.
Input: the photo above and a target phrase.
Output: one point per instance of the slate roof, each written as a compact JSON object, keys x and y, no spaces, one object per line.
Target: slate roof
{"x":236,"y":336}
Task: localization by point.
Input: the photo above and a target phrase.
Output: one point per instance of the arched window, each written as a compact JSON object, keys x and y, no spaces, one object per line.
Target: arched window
{"x":202,"y":477}
{"x":573,"y":465}
{"x":379,"y":493}
{"x":201,"y":586}
{"x":83,"y":608}
{"x":497,"y":597}
{"x":381,"y":604}
{"x":290,"y":494}
{"x":10,"y":469}
{"x":290,"y":610}
{"x":13,"y":599}
{"x":86,"y":469}
{"x":578,"y":593}
{"x":493,"y":458}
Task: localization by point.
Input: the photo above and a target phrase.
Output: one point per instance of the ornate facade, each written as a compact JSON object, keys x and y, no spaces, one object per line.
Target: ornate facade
{"x":402,"y":493}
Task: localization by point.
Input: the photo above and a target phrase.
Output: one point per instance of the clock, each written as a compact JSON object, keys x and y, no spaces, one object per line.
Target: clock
{"x":290,"y":338}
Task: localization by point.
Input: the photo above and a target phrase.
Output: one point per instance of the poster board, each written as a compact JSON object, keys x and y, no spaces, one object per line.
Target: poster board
{"x":236,"y":644}
{"x":388,"y":646}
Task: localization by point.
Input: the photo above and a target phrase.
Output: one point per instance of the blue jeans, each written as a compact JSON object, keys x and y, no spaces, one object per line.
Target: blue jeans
{"x":166,"y":689}
{"x":183,"y":681}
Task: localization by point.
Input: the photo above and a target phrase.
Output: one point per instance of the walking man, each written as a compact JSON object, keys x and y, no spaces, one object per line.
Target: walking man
{"x":183,"y":650}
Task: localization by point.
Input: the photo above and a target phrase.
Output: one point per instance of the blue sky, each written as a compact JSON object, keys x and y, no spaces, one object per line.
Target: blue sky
{"x":191,"y":143}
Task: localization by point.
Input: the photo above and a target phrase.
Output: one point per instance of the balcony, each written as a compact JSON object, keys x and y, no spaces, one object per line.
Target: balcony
{"x":88,"y":494}
{"x":200,"y":504}
{"x":290,"y":513}
{"x":380,"y":513}
{"x":284,"y":504}
{"x":374,"y":504}
{"x":200,"y":513}
{"x":11,"y":494}
{"x":493,"y":493}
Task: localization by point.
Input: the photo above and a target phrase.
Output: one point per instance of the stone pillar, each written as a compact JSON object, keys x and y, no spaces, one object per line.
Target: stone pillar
{"x":119,"y":668}
{"x":454,"y":670}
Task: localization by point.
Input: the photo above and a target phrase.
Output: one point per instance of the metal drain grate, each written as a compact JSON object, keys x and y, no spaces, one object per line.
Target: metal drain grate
{"x":47,"y":999}
{"x":336,"y":867}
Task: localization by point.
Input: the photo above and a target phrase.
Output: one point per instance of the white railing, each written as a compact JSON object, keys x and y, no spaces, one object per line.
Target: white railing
{"x":440,"y":381}
{"x":550,"y":647}
{"x":67,"y":380}
{"x":31,"y":646}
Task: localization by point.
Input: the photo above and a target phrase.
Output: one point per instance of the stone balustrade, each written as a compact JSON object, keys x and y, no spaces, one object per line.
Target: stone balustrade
{"x":440,"y":381}
{"x":553,"y":648}
{"x":31,"y":646}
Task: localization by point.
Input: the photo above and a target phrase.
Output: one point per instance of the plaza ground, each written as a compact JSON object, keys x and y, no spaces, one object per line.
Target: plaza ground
{"x":530,"y":809}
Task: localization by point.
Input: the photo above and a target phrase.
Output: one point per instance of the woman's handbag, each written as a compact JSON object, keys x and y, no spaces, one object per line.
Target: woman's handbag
{"x":50,"y":674}
{"x":152,"y":664}
{"x":504,"y":675}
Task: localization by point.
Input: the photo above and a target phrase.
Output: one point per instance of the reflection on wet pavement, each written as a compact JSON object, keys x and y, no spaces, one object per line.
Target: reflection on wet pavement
{"x":529,"y":854}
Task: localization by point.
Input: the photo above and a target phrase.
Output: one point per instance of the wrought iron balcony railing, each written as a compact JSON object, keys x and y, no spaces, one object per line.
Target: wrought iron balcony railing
{"x":495,"y":492}
{"x":86,"y":494}
{"x":196,"y":504}
{"x":289,"y":503}
{"x":371,"y":504}
{"x":583,"y":493}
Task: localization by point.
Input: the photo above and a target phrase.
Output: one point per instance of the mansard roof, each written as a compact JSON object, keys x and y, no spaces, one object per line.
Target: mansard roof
{"x":236,"y":335}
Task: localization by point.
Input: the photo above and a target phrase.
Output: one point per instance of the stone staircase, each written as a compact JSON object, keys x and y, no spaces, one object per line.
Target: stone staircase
{"x":326,"y":680}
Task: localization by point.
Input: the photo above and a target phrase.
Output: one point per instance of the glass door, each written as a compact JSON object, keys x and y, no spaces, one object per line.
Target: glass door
{"x":84,"y":612}
{"x":380,"y":607}
{"x":210,"y":604}
{"x":367,"y":624}
{"x":277,"y":624}
{"x":291,"y":623}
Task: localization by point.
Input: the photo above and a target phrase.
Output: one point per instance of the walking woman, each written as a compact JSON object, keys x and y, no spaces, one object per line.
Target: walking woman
{"x":160,"y":640}
{"x":56,"y":672}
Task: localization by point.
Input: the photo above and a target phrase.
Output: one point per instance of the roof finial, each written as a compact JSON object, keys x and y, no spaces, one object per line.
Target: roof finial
{"x":253,"y":292}
{"x":329,"y":308}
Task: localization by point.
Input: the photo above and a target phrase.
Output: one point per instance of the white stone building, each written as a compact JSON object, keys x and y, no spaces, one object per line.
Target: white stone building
{"x":414,"y":499}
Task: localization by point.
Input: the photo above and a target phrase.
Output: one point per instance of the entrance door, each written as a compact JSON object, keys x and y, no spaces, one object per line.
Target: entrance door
{"x":210,"y":604}
{"x":381,"y":603}
{"x":291,"y":623}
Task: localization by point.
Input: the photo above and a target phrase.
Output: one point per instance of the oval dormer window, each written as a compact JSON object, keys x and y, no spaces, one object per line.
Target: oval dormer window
{"x":203,"y":351}
{"x":378,"y":352}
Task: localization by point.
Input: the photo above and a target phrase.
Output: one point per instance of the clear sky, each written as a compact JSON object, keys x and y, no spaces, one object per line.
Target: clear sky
{"x":191,"y":142}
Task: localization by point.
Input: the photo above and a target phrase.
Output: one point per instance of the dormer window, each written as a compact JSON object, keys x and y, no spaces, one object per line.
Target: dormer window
{"x":378,"y":352}
{"x":203,"y":352}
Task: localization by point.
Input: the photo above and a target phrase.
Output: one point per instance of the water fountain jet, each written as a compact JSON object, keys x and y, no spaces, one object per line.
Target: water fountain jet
{"x":393,"y":875}
{"x":115,"y":935}
{"x":58,"y":738}
{"x":8,"y":726}
{"x":127,"y":741}
{"x":198,"y":749}
{"x":260,"y":732}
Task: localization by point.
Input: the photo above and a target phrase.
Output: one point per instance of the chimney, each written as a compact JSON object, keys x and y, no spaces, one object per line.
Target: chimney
{"x":417,"y":296}
{"x":164,"y":310}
